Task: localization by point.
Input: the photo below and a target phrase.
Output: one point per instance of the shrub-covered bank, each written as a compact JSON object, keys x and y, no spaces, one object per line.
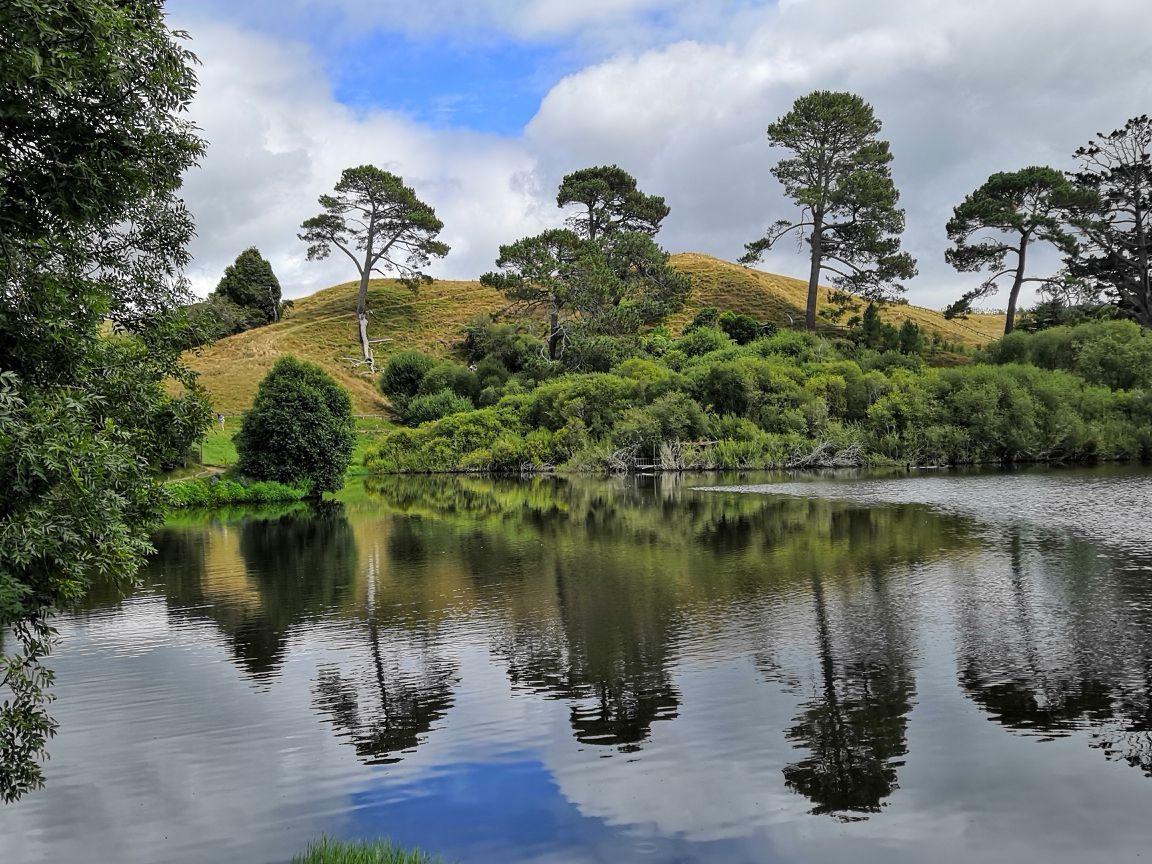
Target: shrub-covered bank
{"x":785,"y":400}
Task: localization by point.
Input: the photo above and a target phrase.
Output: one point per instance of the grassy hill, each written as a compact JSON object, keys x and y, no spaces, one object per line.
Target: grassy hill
{"x":322,"y":327}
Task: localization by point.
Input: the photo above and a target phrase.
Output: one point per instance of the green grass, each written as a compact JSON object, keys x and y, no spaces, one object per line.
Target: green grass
{"x":219,"y":451}
{"x":326,"y":851}
{"x":321,"y":328}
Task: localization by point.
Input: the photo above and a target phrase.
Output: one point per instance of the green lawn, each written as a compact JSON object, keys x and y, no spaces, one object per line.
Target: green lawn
{"x":219,"y":451}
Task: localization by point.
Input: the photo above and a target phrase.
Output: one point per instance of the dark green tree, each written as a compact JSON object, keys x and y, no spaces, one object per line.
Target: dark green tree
{"x":840,"y":177}
{"x":605,"y":272}
{"x":544,"y":272}
{"x":383,"y":228}
{"x":910,"y":339}
{"x":250,"y":283}
{"x":299,"y":430}
{"x":609,"y":203}
{"x":994,"y":227}
{"x":92,"y":245}
{"x":1116,"y":261}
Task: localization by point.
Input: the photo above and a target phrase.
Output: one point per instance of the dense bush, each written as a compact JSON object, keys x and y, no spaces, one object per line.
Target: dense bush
{"x":403,"y":374}
{"x":299,"y":430}
{"x":796,"y":399}
{"x":453,"y":377}
{"x":1116,"y":354}
{"x":433,"y":406}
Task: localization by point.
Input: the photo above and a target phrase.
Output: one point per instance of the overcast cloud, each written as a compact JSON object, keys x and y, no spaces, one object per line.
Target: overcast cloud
{"x":679,"y":93}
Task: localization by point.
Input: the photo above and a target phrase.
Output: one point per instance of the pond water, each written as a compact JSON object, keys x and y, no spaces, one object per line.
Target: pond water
{"x":945,"y":667}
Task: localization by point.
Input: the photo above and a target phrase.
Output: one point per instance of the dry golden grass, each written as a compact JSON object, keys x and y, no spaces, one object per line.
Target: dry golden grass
{"x":321,"y":328}
{"x":781,"y":299}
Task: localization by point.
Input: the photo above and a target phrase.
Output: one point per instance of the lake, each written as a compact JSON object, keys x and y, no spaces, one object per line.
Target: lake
{"x":808,"y":668}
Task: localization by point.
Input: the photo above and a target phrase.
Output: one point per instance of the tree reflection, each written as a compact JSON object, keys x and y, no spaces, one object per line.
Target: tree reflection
{"x":258,"y":578}
{"x":854,"y":726}
{"x":386,"y":706}
{"x":1058,"y":641}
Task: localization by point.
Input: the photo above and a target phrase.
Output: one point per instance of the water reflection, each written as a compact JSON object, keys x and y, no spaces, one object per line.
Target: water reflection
{"x":387,"y":706}
{"x":258,"y":578}
{"x":1060,"y":641}
{"x":853,"y":727}
{"x":612,"y":669}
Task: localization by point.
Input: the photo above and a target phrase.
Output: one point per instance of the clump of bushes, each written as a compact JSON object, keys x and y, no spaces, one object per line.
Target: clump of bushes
{"x":1116,"y":354}
{"x":216,"y":492}
{"x":789,"y":398}
{"x":299,"y":430}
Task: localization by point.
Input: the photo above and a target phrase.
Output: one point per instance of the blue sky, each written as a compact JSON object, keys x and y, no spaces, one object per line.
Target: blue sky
{"x":483,"y":105}
{"x":471,"y":71}
{"x":492,"y":86}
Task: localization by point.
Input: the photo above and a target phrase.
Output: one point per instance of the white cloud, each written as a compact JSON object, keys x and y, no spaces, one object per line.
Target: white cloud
{"x":964,"y":89}
{"x":278,"y":140}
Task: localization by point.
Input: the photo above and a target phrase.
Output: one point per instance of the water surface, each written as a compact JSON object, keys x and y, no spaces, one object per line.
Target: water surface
{"x":947,"y":667}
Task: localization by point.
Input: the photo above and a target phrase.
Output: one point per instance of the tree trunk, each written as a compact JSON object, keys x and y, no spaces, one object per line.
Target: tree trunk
{"x":1017,"y":281}
{"x":553,"y":329}
{"x":817,"y":244}
{"x":362,"y":311}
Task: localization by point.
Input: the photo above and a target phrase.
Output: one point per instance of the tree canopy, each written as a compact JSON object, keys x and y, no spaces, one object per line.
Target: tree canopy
{"x":92,"y":244}
{"x":382,"y":227}
{"x":840,"y":178}
{"x":1116,"y":262}
{"x":604,"y":271}
{"x":609,"y":203}
{"x":994,"y":227}
{"x":299,"y":430}
{"x":250,"y":283}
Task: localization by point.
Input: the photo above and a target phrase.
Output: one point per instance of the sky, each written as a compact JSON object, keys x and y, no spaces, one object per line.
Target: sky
{"x":483,"y":105}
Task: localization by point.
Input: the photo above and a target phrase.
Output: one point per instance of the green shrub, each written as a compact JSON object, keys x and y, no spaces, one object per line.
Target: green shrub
{"x":674,"y":417}
{"x":701,"y":341}
{"x":447,"y":375}
{"x":215,"y":492}
{"x":796,"y":399}
{"x":300,"y":429}
{"x":726,"y":388}
{"x":740,"y":328}
{"x":403,"y":374}
{"x":433,"y":406}
{"x":593,"y":399}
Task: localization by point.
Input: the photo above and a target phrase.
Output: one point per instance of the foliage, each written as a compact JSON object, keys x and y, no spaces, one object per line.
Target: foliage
{"x":610,"y":203}
{"x":433,"y":406}
{"x":603,"y":275}
{"x":796,"y":399}
{"x":1002,"y":219}
{"x":328,"y":851}
{"x":217,"y":317}
{"x":249,"y":283}
{"x":1115,"y":354}
{"x":840,"y":178}
{"x":92,"y":243}
{"x":217,"y":492}
{"x":382,"y":227}
{"x":300,"y":429}
{"x":1116,"y":262}
{"x":403,"y":374}
{"x":741,"y":328}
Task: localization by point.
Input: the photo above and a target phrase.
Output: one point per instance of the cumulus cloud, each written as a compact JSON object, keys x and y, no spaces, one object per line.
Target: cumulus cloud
{"x":277,"y":140}
{"x":963,"y":89}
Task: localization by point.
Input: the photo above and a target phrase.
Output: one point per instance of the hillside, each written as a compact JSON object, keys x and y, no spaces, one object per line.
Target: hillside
{"x":321,"y":327}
